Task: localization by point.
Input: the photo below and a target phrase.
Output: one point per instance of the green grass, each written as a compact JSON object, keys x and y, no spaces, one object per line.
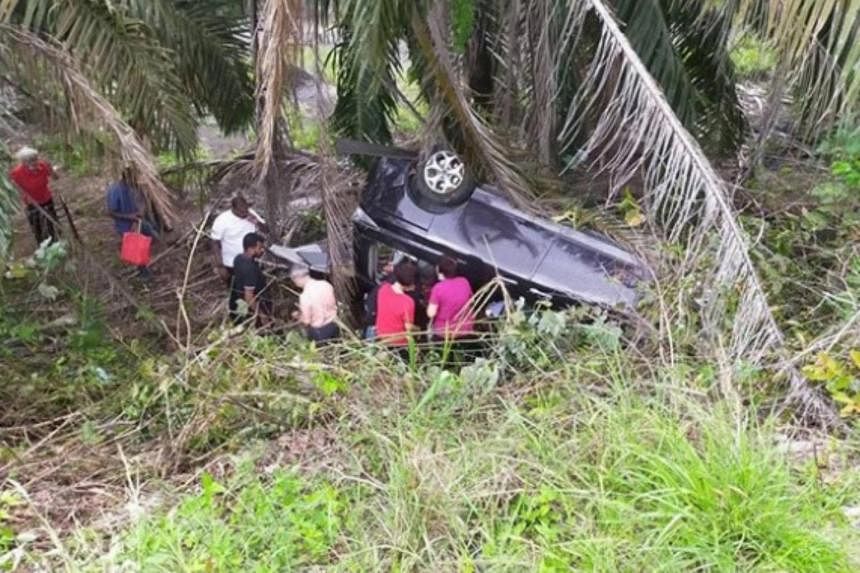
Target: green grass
{"x":753,"y":58}
{"x":560,"y":452}
{"x":247,"y":525}
{"x":576,"y":461}
{"x":575,"y":483}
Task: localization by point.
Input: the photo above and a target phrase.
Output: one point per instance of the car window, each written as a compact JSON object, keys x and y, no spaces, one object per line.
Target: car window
{"x":378,"y":255}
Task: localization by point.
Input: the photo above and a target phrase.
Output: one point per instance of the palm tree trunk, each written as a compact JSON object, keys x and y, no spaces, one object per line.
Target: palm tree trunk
{"x":269,"y":183}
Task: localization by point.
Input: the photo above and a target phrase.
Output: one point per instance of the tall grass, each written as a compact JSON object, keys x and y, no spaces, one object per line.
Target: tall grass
{"x":570,"y":466}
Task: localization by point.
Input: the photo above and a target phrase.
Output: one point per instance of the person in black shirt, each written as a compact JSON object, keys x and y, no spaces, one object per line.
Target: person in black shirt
{"x":249,"y":283}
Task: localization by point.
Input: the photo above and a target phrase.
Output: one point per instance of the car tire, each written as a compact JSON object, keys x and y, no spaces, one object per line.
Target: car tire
{"x":442,"y":178}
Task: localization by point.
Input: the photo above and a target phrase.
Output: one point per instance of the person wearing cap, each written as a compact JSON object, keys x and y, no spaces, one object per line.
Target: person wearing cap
{"x":317,"y":305}
{"x":249,"y":283}
{"x":228,"y":231}
{"x":123,"y":207}
{"x":32,"y":177}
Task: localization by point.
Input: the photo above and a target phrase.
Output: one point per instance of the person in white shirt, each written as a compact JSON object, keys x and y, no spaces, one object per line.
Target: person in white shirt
{"x":228,"y":231}
{"x":317,"y":305}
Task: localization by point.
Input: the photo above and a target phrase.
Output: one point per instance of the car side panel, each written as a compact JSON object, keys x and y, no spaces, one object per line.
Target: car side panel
{"x":386,"y":196}
{"x":569,"y":268}
{"x":509,"y":243}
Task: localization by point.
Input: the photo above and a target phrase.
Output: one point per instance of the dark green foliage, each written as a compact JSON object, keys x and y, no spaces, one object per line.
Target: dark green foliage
{"x":366,"y":105}
{"x":462,"y":21}
{"x":685,"y":51}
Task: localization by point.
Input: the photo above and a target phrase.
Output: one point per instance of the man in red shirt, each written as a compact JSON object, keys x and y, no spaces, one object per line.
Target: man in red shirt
{"x":32,"y":175}
{"x":395,"y":309}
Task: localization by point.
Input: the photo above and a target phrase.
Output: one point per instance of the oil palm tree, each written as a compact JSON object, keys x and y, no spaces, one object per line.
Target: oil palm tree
{"x":144,"y":70}
{"x":619,"y":86}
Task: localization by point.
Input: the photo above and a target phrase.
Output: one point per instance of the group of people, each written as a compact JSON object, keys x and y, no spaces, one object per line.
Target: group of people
{"x":32,"y":176}
{"x":237,"y":245}
{"x":405,"y":303}
{"x":408,"y":301}
{"x":402,"y":305}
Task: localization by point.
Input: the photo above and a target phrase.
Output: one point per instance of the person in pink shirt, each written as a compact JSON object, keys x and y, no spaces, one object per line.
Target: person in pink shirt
{"x":448,"y":308}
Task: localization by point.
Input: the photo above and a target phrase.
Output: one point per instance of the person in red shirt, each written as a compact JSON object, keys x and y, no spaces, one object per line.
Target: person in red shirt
{"x":32,"y":176}
{"x":395,"y":309}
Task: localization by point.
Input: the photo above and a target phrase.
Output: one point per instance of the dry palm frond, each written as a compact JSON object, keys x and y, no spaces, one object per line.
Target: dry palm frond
{"x":279,"y":44}
{"x":89,"y":103}
{"x":480,"y":138}
{"x":339,"y":200}
{"x":637,"y":130}
{"x":8,"y":209}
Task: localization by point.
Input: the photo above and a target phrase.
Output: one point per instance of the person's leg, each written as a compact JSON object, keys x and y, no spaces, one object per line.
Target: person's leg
{"x":330,"y":331}
{"x":404,"y":353}
{"x":147,"y":229}
{"x":324,"y":333}
{"x":50,"y":216}
{"x":35,"y":221}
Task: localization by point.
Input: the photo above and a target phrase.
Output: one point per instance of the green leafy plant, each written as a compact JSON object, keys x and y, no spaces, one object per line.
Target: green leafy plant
{"x":841,"y":377}
{"x":246,"y":524}
{"x":9,"y":500}
{"x":752,"y":57}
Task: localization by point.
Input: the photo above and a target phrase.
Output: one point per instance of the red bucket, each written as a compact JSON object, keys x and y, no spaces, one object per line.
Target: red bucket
{"x":136,"y":249}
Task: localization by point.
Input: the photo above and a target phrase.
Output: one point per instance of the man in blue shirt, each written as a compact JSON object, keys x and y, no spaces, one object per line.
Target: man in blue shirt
{"x":122,"y":207}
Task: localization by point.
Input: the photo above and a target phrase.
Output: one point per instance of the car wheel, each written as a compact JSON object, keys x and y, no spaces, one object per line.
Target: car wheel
{"x":442,"y":177}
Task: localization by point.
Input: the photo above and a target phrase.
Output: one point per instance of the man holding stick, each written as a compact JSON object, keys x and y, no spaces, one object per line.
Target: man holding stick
{"x":32,"y":176}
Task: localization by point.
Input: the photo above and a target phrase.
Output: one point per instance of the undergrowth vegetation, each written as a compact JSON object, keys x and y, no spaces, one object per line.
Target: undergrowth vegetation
{"x":570,"y":466}
{"x":559,"y":450}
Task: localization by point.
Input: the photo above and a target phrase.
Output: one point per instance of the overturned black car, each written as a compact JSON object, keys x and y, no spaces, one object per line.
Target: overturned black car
{"x":429,"y":208}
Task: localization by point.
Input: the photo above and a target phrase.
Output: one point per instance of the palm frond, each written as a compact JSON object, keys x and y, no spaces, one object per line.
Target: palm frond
{"x":367,"y":58}
{"x":87,"y":103}
{"x":638,"y":131}
{"x":479,"y":136}
{"x":123,"y":57}
{"x":210,"y":42}
{"x":817,"y":44}
{"x":279,"y":41}
{"x":684,"y":49}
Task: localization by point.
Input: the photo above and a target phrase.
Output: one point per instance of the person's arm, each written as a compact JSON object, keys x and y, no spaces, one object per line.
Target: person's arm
{"x":409,"y":317}
{"x":305,"y":311}
{"x":127,"y":216}
{"x":217,"y":262}
{"x":53,"y":172}
{"x":249,"y":294}
{"x":433,"y":304}
{"x":215,"y":237}
{"x":258,"y":221}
